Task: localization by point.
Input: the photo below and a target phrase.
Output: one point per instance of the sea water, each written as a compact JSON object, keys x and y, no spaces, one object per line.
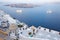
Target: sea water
{"x":47,"y":15}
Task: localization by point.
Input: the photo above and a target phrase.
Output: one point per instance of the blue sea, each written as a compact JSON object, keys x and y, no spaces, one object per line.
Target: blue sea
{"x":37,"y":16}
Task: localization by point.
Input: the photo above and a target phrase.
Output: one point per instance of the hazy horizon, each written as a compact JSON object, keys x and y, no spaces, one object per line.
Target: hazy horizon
{"x":30,"y":1}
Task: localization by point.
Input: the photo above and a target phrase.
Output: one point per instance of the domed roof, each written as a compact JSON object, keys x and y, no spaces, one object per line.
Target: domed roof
{"x":33,"y":27}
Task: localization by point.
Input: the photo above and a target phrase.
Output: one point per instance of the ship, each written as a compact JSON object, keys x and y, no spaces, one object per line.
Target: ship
{"x":13,"y":29}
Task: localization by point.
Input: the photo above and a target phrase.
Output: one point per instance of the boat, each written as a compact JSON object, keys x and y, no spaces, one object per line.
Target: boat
{"x":19,"y":11}
{"x":49,"y":12}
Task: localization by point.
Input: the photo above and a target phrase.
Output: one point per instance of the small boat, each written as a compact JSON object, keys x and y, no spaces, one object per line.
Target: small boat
{"x":19,"y":11}
{"x":49,"y":11}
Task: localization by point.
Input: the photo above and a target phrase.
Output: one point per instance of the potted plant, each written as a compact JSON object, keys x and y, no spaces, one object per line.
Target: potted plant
{"x":20,"y":26}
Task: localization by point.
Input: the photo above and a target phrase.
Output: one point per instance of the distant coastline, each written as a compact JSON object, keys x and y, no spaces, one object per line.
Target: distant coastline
{"x":22,"y":5}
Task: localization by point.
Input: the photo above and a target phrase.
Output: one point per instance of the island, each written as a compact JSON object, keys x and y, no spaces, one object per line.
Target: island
{"x":22,"y":5}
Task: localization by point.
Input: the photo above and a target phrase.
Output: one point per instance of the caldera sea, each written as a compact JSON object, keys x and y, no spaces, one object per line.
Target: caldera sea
{"x":37,"y":16}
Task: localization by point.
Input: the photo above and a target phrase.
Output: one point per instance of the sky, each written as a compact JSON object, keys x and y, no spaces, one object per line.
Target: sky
{"x":30,"y":1}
